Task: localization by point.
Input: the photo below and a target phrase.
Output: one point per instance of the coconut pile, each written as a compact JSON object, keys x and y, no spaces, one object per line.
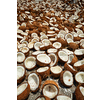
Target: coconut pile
{"x":50,"y":50}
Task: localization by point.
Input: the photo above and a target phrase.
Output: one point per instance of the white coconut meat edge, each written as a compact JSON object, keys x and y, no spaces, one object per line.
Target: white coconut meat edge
{"x":42,"y":69}
{"x":79,"y":51}
{"x":68,"y":78}
{"x":79,"y":63}
{"x":50,"y":91}
{"x":53,"y":59}
{"x":21,"y":88}
{"x":57,"y":45}
{"x":30,"y":62}
{"x":63,"y":55}
{"x":43,"y":58}
{"x":70,"y":57}
{"x":62,"y":97}
{"x":56,"y":69}
{"x":41,"y":98}
{"x":80,"y":77}
{"x":24,"y":49}
{"x":33,"y":81}
{"x":37,"y":45}
{"x":82,"y":90}
{"x":52,"y":50}
{"x":20,"y":72}
{"x":20,"y":57}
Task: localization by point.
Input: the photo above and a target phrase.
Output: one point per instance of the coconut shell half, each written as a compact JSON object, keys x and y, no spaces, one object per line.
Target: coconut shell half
{"x":20,"y":74}
{"x":34,"y":80}
{"x":55,"y":71}
{"x":70,"y":68}
{"x":62,"y":97}
{"x":23,"y":91}
{"x":66,"y":78}
{"x":43,"y":60}
{"x":50,"y":89}
{"x":79,"y":92}
{"x":43,"y":72}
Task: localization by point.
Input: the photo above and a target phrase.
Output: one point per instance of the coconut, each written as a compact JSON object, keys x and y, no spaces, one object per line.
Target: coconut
{"x":42,"y":98}
{"x":37,"y":45}
{"x":79,"y":65}
{"x":30,"y":45}
{"x":82,"y":43}
{"x":37,"y":52}
{"x":30,"y":63}
{"x":46,"y":42}
{"x":62,"y":97}
{"x":24,"y":42}
{"x":54,"y":59}
{"x":66,"y":78}
{"x":51,"y":35}
{"x":79,"y":92}
{"x":21,"y":45}
{"x":43,"y":37}
{"x":43,"y":60}
{"x":24,"y":50}
{"x":52,"y":40}
{"x":57,"y":45}
{"x":73,"y":45}
{"x":81,"y":36}
{"x":43,"y":72}
{"x":69,"y":40}
{"x":63,"y":56}
{"x":70,"y":68}
{"x":79,"y":53}
{"x":50,"y":89}
{"x":20,"y":74}
{"x":34,"y":81}
{"x":79,"y":77}
{"x":50,"y":32}
{"x":55,"y":71}
{"x":72,"y":59}
{"x":52,"y":50}
{"x":23,"y":91}
{"x":69,"y":35}
{"x":76,"y":37}
{"x":20,"y":57}
{"x":67,"y":51}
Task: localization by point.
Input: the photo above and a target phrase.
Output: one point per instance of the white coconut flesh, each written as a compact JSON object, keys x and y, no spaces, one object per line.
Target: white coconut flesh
{"x":82,"y":90}
{"x":46,"y":42}
{"x":21,"y":45}
{"x":43,"y":37}
{"x":20,"y":57}
{"x":50,"y":32}
{"x":33,"y":81}
{"x":63,"y":55}
{"x":81,"y":35}
{"x":50,"y":91}
{"x":34,"y":34}
{"x":71,"y":67}
{"x":38,"y":52}
{"x":56,"y":69}
{"x":37,"y":45}
{"x":69,"y":35}
{"x":51,"y":50}
{"x":69,"y":40}
{"x":21,"y":88}
{"x":20,"y":72}
{"x":62,"y":97}
{"x":81,"y":41}
{"x":31,"y":44}
{"x":43,"y":58}
{"x":79,"y":51}
{"x":67,"y":51}
{"x":80,"y":77}
{"x":57,"y":45}
{"x":52,"y":39}
{"x":79,"y":63}
{"x":68,"y":78}
{"x":24,"y":42}
{"x":41,"y":98}
{"x":53,"y":59}
{"x":30,"y":62}
{"x":70,"y":57}
{"x":60,"y":36}
{"x":43,"y":69}
{"x":24,"y":49}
